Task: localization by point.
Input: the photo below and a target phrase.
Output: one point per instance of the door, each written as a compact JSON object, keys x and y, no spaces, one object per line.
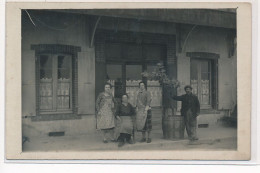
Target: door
{"x":201,"y":81}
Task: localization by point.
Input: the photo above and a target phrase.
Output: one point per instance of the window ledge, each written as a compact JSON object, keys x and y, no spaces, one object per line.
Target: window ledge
{"x":53,"y":117}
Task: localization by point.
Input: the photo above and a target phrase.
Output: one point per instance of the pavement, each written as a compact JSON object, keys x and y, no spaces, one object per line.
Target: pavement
{"x":217,"y":137}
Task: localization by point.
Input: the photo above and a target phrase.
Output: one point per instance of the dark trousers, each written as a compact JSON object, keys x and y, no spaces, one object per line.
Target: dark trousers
{"x":123,"y":137}
{"x":191,"y":125}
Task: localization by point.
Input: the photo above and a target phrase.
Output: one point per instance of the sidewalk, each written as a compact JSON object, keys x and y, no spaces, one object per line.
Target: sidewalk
{"x":211,"y":138}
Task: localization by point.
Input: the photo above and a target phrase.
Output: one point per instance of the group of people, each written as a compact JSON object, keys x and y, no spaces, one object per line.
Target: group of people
{"x":140,"y":117}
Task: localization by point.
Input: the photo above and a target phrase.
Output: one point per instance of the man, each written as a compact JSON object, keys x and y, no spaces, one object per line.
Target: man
{"x":190,"y":109}
{"x":144,"y":113}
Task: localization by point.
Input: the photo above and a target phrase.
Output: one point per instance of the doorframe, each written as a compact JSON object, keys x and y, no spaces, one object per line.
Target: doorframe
{"x":214,"y":67}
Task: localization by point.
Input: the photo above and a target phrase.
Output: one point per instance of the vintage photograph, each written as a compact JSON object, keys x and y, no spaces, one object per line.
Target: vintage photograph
{"x":129,"y":79}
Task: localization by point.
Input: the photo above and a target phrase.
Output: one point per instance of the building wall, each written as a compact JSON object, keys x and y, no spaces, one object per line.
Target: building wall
{"x":56,"y":28}
{"x":212,"y":40}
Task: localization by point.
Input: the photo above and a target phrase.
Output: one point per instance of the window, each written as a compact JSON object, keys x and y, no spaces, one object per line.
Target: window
{"x":204,"y":78}
{"x":56,"y":79}
{"x":55,"y":91}
{"x":201,"y":81}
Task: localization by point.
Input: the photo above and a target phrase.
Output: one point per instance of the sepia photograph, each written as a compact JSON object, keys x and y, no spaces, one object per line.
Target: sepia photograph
{"x":129,"y":80}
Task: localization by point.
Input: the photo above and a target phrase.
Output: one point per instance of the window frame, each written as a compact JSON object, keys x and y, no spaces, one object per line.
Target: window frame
{"x":213,"y":58}
{"x":55,"y":82}
{"x":57,"y":49}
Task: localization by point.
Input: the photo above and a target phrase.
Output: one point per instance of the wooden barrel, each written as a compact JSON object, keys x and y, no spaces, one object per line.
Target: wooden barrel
{"x":165,"y":128}
{"x":171,"y":127}
{"x":175,"y":127}
{"x":179,"y":127}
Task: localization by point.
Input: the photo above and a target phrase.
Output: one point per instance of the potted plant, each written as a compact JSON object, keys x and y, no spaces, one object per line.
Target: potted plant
{"x":168,"y":87}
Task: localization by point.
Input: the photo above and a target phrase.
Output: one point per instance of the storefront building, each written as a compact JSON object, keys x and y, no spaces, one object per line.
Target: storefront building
{"x":68,"y":55}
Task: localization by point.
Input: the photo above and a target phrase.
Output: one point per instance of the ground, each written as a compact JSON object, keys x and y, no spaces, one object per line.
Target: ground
{"x":212,"y":138}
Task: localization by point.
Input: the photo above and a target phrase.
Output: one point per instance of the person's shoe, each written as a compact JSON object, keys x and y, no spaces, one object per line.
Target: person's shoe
{"x":130,"y":141}
{"x":120,"y":144}
{"x":149,"y":140}
{"x":142,"y":140}
{"x":195,"y":139}
{"x":105,"y":141}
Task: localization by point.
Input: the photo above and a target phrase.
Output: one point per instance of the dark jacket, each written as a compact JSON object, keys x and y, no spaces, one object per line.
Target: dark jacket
{"x":123,"y":110}
{"x":188,"y":102}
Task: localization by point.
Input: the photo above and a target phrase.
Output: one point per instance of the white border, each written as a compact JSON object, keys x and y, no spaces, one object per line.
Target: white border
{"x":255,"y":98}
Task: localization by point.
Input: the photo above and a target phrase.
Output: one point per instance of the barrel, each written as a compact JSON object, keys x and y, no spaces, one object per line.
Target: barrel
{"x":165,"y":128}
{"x":175,"y":127}
{"x":171,"y":126}
{"x":179,"y":127}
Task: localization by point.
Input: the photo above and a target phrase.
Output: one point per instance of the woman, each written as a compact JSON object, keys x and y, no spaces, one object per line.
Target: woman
{"x":126,"y":114}
{"x":105,"y":115}
{"x":144,"y":113}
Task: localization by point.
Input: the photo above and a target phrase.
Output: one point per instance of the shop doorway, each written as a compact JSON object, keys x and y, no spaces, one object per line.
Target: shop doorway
{"x":124,"y":65}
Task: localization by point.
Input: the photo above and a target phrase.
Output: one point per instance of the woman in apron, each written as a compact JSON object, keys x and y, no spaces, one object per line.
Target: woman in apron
{"x":144,"y":113}
{"x":105,"y":115}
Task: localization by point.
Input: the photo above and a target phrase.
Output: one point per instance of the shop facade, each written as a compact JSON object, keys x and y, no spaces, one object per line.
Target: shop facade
{"x":68,"y":55}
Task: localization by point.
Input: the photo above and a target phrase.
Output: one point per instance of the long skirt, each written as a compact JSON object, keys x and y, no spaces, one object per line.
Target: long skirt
{"x":126,"y":125}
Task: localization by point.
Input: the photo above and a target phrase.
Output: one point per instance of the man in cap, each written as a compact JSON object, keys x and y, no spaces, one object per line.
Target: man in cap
{"x":190,"y":109}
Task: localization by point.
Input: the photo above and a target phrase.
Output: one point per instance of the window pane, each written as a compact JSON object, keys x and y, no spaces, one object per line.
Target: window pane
{"x":194,"y":70}
{"x":204,"y":70}
{"x":133,"y":77}
{"x":204,"y":66}
{"x":63,"y":101}
{"x":64,"y":82}
{"x":45,"y":74}
{"x":64,"y":63}
{"x":46,"y":96}
{"x":45,"y":61}
{"x":45,"y":67}
{"x":46,"y":85}
{"x":114,"y":72}
{"x":114,"y":75}
{"x":133,"y":72}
